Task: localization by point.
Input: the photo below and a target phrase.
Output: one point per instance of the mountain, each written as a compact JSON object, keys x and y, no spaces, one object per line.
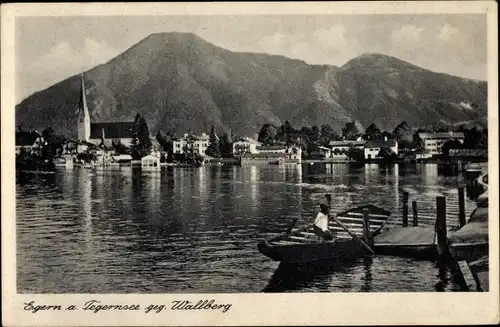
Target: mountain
{"x":180,"y":82}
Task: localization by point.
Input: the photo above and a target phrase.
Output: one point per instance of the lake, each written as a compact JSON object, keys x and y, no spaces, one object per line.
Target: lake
{"x":195,"y":230}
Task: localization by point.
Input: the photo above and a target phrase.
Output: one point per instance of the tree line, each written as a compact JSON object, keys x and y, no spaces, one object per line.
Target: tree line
{"x":309,"y":138}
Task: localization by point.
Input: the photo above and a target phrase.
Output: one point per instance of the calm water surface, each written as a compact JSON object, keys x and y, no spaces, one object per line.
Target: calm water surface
{"x":196,"y":229}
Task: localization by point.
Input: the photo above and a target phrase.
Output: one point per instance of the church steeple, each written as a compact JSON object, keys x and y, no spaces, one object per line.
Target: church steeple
{"x":83,"y":115}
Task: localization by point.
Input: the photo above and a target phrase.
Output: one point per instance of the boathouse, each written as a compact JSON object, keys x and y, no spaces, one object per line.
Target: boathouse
{"x":151,"y":160}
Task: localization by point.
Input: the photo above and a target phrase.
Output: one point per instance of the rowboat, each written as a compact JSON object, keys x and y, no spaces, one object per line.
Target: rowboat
{"x":303,"y":245}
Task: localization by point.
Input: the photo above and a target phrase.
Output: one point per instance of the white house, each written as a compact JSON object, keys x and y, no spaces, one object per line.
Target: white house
{"x":191,"y":143}
{"x":372,"y":148}
{"x":151,"y":160}
{"x":340,"y":149}
{"x":433,"y":142}
{"x":325,"y":152}
{"x":293,"y":154}
{"x":245,"y":145}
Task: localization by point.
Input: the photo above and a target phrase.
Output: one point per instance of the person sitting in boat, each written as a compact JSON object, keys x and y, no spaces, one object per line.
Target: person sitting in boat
{"x":320,"y":226}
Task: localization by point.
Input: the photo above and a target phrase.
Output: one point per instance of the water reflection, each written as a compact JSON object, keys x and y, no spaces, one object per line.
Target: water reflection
{"x":86,"y":198}
{"x":196,"y":230}
{"x":254,"y":177}
{"x":293,"y":173}
{"x":295,"y":277}
{"x":430,"y":173}
{"x":367,"y":274}
{"x":372,"y":173}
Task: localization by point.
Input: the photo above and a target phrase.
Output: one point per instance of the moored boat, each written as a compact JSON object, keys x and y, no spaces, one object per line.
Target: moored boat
{"x":303,"y":245}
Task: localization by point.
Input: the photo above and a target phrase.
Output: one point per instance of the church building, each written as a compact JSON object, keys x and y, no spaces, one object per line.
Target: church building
{"x":103,"y":133}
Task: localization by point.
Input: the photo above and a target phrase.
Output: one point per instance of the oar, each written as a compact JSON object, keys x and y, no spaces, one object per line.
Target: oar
{"x":329,"y":200}
{"x":292,"y":225}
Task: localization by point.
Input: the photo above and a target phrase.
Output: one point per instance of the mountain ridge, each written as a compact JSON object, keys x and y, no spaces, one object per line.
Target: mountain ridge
{"x":181,"y":82}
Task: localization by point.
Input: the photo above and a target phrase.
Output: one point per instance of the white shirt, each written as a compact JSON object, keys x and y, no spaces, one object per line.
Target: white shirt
{"x":321,"y":221}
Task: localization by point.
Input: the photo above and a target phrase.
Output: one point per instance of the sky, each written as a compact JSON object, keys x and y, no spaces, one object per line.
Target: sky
{"x":50,"y":49}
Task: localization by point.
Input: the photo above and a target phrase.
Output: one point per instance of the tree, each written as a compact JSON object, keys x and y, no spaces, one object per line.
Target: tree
{"x":144,"y":138}
{"x":166,"y":143}
{"x":267,"y":134}
{"x":372,"y":133}
{"x":387,"y":154}
{"x":418,"y":143}
{"x":474,"y":138}
{"x":450,"y":145}
{"x":155,"y":145}
{"x":286,"y":133}
{"x":483,"y":141}
{"x":350,"y":131}
{"x":120,"y":148}
{"x":405,"y":144}
{"x":48,"y":134}
{"x":141,"y":141}
{"x":135,"y":129}
{"x":314,"y":134}
{"x":402,"y":132}
{"x":326,"y":134}
{"x":355,"y":153}
{"x":226,"y":146}
{"x":53,"y":145}
{"x":213,"y":149}
{"x":161,"y":138}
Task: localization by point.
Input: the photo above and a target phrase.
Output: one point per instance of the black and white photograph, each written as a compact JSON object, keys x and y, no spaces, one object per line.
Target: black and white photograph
{"x":268,"y":153}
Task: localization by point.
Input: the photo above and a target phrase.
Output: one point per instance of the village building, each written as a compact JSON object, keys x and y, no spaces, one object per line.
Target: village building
{"x":107,"y":133}
{"x":151,"y":160}
{"x":245,"y":145}
{"x":340,"y":149}
{"x":191,"y":143}
{"x":372,"y":148}
{"x":433,"y":142}
{"x":270,"y":149}
{"x":31,"y":142}
{"x":122,"y":159}
{"x":277,"y":154}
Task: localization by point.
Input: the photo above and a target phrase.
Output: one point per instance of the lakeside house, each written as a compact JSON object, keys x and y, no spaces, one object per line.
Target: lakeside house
{"x":372,"y":148}
{"x":245,"y":145}
{"x":340,"y":149}
{"x":433,"y":142}
{"x":273,"y":154}
{"x":151,"y":160}
{"x":31,"y":142}
{"x":191,"y":143}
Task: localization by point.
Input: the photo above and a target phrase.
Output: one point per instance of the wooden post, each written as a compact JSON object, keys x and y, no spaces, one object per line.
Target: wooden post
{"x":328,"y":197}
{"x":442,"y":246}
{"x":461,"y":206}
{"x":415,"y":213}
{"x":366,"y":228}
{"x":405,"y":209}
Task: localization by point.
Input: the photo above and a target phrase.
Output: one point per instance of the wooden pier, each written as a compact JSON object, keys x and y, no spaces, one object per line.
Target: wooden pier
{"x":417,"y":242}
{"x":426,"y":238}
{"x":464,"y":244}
